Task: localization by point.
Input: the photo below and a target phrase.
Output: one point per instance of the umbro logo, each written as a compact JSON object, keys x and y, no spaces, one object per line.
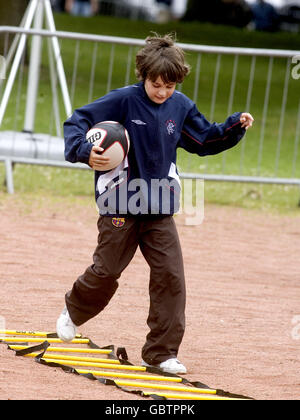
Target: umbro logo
{"x":138,"y":122}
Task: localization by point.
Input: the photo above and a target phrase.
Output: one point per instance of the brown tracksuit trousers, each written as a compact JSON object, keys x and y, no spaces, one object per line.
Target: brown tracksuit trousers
{"x":159,"y":243}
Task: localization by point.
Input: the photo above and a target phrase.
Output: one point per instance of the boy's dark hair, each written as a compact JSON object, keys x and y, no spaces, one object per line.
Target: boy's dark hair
{"x":161,"y":57}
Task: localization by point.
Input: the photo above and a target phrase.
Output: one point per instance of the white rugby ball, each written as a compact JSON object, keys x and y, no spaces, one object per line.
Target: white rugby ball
{"x":113,"y":138}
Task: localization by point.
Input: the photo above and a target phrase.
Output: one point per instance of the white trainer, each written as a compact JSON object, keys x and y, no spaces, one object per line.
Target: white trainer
{"x":169,"y":366}
{"x":65,"y":328}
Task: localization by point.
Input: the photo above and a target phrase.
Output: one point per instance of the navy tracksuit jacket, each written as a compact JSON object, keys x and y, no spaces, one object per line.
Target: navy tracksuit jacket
{"x":156,"y":131}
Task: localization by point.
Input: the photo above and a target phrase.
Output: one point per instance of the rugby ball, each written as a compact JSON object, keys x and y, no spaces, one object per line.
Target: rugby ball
{"x":113,"y":138}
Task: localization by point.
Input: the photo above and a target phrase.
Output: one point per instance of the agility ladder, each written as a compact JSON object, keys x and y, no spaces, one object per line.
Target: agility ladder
{"x":117,"y":370}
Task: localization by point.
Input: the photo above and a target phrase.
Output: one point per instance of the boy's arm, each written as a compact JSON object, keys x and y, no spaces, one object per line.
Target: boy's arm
{"x":201,"y":137}
{"x":77,"y":148}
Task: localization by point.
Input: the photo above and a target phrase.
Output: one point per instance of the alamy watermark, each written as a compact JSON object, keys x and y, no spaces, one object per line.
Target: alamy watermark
{"x":160,"y":196}
{"x":2,"y":67}
{"x":2,"y":323}
{"x":192,"y":201}
{"x":296,"y":67}
{"x":295,"y":333}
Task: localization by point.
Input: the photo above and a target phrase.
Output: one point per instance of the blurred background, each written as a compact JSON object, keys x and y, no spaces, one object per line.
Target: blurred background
{"x":258,"y":14}
{"x":254,"y":14}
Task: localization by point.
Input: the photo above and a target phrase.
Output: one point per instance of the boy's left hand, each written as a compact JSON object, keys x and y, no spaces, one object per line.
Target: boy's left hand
{"x":97,"y":160}
{"x":246,"y":120}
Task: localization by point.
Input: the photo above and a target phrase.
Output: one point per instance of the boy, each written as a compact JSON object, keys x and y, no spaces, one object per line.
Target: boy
{"x":159,"y":119}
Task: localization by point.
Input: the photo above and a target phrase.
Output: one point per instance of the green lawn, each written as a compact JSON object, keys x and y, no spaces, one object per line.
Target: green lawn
{"x":274,"y":156}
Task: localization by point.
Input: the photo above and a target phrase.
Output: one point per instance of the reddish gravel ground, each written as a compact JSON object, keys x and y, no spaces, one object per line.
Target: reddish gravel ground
{"x":243,"y":313}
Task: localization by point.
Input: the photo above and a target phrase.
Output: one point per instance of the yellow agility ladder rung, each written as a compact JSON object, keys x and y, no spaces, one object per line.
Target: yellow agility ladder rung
{"x":67,"y":349}
{"x":129,"y":376}
{"x":190,"y":397}
{"x":31,"y":333}
{"x":74,"y":358}
{"x":37,"y":340}
{"x":99,"y":365}
{"x":166,"y":387}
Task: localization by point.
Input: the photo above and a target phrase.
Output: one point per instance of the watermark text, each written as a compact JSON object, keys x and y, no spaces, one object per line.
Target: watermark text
{"x":296,"y":329}
{"x":2,"y":67}
{"x":160,"y":196}
{"x":2,"y":323}
{"x":296,"y":67}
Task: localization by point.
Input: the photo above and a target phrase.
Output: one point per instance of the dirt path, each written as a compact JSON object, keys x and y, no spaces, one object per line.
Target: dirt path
{"x":243,"y":312}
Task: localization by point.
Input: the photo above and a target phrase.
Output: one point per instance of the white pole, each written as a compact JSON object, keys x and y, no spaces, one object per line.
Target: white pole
{"x":58,"y":59}
{"x":31,"y":10}
{"x":34,"y":71}
{"x":9,"y":176}
{"x":53,"y":79}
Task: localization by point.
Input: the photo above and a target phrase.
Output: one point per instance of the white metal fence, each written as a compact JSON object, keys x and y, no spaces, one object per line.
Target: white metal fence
{"x":46,"y":84}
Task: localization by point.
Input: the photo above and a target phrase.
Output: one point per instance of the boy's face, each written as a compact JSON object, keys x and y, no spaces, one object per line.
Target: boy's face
{"x":159,"y":91}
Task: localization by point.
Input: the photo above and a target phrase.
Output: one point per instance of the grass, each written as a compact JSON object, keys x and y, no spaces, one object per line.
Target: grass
{"x":35,"y":184}
{"x":276,"y":155}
